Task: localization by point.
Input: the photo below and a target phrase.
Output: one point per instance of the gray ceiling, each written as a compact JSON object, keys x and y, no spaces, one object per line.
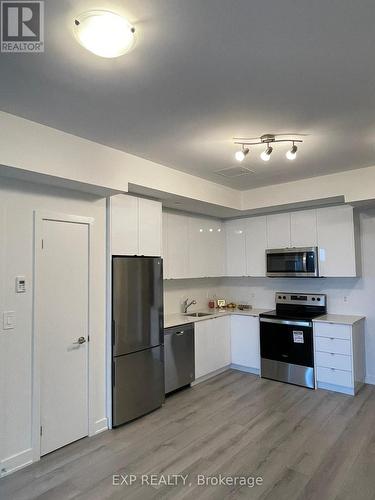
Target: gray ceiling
{"x":204,"y":71}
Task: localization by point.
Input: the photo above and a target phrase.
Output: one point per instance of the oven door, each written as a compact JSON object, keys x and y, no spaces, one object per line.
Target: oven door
{"x":292,"y":262}
{"x":287,"y":352}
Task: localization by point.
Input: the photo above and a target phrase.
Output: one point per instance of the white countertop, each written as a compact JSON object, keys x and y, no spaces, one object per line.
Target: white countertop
{"x":341,"y":319}
{"x":180,"y":318}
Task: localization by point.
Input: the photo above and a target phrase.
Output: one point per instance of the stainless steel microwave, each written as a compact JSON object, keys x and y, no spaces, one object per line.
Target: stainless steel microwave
{"x":292,"y":262}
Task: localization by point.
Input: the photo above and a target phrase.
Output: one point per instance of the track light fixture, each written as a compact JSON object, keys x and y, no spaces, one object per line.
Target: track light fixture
{"x":240,"y":155}
{"x":267,"y":140}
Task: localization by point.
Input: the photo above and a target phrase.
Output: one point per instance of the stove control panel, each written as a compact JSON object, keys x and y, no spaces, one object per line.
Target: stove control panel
{"x":303,"y":299}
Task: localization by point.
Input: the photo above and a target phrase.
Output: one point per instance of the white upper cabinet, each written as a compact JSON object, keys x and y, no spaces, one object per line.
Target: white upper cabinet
{"x":235,"y":247}
{"x":198,"y":247}
{"x":176,"y":257}
{"x":256,"y":244}
{"x":216,"y":249}
{"x":303,"y":228}
{"x":150,"y":221}
{"x":194,"y":246}
{"x":124,"y":225}
{"x":278,"y":230}
{"x":135,"y":226}
{"x":336,"y":241}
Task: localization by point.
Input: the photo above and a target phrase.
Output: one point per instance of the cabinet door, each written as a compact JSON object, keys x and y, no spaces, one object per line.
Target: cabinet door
{"x":197,"y":237}
{"x":124,"y":225}
{"x":203,"y":361}
{"x":335,"y":228}
{"x":256,"y":244}
{"x":303,"y":228}
{"x":177,"y":245}
{"x":245,"y":341}
{"x":278,"y":230}
{"x":164,"y":249}
{"x":235,"y":248}
{"x":219,"y":340}
{"x":215,"y":249}
{"x":150,"y":232}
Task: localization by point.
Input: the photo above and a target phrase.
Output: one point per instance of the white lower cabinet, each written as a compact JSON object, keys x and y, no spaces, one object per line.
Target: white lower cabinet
{"x":339,"y":356}
{"x":245,"y":342}
{"x":212,"y":345}
{"x":230,"y":340}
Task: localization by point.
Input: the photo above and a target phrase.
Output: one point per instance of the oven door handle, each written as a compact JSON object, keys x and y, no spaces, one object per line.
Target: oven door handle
{"x":304,"y":262}
{"x":285,"y":322}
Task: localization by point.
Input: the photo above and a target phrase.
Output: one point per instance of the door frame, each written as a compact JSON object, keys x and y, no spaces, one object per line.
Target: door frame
{"x":39,"y":217}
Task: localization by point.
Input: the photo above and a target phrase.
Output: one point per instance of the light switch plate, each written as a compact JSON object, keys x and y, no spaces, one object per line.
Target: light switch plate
{"x":9,"y":320}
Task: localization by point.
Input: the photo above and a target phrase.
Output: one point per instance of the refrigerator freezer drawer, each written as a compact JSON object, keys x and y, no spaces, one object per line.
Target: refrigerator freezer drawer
{"x":137,"y":385}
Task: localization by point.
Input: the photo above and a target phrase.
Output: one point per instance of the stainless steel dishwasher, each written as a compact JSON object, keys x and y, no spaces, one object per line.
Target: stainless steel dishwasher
{"x":179,"y":356}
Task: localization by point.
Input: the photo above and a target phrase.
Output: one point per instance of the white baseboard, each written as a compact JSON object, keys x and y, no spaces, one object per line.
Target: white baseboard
{"x":210,"y":375}
{"x":246,"y":369}
{"x":370,"y":379}
{"x":15,"y":462}
{"x":101,"y":425}
{"x":336,"y":388}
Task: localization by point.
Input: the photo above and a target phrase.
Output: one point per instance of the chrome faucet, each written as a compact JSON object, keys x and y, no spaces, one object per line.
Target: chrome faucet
{"x":186,"y":304}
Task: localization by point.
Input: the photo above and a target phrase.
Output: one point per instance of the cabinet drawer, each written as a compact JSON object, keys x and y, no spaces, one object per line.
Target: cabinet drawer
{"x":335,"y":377}
{"x":331,"y":330}
{"x":332,"y":360}
{"x":337,"y":346}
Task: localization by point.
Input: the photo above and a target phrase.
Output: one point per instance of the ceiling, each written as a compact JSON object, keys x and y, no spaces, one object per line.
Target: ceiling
{"x":205,"y":71}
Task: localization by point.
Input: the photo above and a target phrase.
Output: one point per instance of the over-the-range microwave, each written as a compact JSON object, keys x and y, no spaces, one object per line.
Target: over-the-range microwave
{"x":292,"y":262}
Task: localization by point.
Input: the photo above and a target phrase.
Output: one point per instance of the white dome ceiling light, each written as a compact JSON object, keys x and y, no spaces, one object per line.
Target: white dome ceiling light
{"x":104,"y":33}
{"x":266,"y":140}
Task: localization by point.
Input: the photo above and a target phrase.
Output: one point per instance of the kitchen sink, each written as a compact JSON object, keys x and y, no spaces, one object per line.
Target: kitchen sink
{"x":198,"y":315}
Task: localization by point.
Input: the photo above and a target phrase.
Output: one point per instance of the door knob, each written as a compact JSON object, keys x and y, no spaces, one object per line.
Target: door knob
{"x":81,"y":340}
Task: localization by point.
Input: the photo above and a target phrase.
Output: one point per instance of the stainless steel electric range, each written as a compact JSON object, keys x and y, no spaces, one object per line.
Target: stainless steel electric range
{"x":286,"y":338}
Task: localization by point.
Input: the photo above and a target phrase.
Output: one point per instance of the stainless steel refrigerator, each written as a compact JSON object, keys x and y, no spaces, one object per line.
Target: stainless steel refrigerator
{"x":137,"y":337}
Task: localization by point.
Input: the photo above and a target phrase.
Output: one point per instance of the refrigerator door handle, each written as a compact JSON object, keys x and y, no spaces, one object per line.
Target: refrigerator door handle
{"x":113,"y":332}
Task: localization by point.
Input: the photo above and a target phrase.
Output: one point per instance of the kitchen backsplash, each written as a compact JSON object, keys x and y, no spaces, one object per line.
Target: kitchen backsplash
{"x":176,"y":291}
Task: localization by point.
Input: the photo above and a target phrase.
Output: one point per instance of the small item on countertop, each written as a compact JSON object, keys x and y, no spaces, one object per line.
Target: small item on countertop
{"x":221,"y":303}
{"x":244,"y":307}
{"x":211,"y":304}
{"x":231,"y":305}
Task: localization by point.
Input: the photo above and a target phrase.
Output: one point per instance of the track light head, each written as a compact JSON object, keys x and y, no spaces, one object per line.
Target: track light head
{"x":240,"y":155}
{"x":292,"y":153}
{"x":266,"y":154}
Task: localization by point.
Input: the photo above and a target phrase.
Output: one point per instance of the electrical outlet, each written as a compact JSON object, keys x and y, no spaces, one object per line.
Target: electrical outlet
{"x":346,"y":299}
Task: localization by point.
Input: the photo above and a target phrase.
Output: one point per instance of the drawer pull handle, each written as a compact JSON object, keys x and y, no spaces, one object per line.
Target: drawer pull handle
{"x":333,"y":369}
{"x":332,"y":353}
{"x":331,"y":338}
{"x":179,"y":333}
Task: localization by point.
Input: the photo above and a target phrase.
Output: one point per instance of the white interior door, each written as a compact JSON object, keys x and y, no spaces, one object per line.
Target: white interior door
{"x":62,"y":312}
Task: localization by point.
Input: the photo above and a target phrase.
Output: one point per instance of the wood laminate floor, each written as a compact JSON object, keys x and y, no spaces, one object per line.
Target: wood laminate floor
{"x":304,"y":445}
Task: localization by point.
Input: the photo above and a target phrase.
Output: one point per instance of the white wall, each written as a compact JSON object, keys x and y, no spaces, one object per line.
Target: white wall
{"x":345,"y":295}
{"x":51,"y":152}
{"x":18,"y":200}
